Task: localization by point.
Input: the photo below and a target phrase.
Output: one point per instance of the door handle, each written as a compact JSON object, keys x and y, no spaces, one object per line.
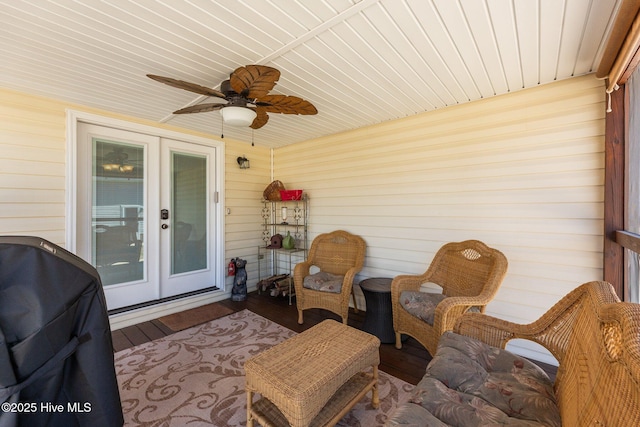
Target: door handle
{"x":164,"y":214}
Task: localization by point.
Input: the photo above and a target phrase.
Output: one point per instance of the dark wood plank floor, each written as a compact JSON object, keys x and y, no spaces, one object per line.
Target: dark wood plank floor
{"x":408,"y":364}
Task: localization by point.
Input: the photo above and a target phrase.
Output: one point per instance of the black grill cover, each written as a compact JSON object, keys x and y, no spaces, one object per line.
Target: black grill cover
{"x":56,"y":354}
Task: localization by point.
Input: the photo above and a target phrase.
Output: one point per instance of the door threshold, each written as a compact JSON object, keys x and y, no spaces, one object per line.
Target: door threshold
{"x":161,"y":301}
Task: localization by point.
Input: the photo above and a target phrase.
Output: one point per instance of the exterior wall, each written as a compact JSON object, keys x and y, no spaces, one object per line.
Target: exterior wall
{"x":33,"y":178}
{"x":522,"y":172}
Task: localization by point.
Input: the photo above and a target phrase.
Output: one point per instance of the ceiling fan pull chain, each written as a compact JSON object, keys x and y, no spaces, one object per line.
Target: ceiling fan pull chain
{"x":222,"y":127}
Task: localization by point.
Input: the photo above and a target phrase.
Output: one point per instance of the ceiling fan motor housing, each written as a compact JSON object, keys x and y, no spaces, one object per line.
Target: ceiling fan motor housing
{"x":233,"y":98}
{"x":225,"y":87}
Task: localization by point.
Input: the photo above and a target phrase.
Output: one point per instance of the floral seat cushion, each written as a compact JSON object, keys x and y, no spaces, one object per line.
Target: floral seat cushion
{"x":473,"y":384}
{"x":421,"y":304}
{"x":323,"y":281}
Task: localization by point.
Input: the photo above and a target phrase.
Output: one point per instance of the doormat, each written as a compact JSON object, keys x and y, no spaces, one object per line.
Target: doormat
{"x":195,"y":316}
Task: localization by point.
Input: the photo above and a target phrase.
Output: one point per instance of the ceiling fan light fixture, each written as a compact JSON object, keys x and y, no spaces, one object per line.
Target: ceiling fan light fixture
{"x":113,"y":167}
{"x":116,"y":161}
{"x":238,"y":116}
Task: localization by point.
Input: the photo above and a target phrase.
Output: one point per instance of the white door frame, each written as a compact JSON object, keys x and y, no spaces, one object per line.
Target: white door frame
{"x":74,"y":117}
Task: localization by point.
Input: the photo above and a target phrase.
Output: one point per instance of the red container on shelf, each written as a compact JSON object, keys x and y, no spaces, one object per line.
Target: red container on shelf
{"x":290,"y":195}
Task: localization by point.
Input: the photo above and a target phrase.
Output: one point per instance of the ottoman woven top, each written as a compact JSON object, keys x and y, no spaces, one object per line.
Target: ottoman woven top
{"x":301,"y":374}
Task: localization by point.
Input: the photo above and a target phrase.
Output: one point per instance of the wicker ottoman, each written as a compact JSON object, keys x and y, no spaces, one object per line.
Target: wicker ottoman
{"x":314,"y":378}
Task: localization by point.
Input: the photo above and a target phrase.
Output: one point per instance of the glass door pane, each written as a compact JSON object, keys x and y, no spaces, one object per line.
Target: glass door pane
{"x":187,"y":211}
{"x":117,"y":222}
{"x":189,"y":207}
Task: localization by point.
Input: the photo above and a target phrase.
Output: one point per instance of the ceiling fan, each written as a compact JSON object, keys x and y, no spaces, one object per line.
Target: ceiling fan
{"x":245,"y":97}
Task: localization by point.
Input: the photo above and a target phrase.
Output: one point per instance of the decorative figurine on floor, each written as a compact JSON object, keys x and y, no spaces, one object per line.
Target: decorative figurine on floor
{"x":239,"y":291}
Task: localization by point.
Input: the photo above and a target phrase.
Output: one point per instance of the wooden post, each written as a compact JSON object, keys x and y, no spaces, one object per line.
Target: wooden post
{"x":614,"y":203}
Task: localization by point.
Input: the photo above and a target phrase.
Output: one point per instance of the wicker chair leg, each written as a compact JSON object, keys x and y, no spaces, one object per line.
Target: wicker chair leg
{"x":398,"y":340}
{"x":375,"y":397}
{"x":355,"y":303}
{"x":300,"y":319}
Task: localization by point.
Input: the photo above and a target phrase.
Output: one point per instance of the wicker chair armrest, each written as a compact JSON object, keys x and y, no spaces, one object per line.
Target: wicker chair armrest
{"x":347,"y":282}
{"x":407,"y":282}
{"x":303,"y":266}
{"x":450,"y":309}
{"x":488,"y":329}
{"x":498,"y":332}
{"x":300,"y":271}
{"x":549,"y":330}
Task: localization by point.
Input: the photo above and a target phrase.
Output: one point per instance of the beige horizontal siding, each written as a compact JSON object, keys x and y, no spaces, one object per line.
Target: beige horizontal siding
{"x":32,"y":177}
{"x":243,"y":193}
{"x":522,"y":172}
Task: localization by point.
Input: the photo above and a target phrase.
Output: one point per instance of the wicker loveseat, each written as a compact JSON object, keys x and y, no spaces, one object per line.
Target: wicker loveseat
{"x":473,"y":381}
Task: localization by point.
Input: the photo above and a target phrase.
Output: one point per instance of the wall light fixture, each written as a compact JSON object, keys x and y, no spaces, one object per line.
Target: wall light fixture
{"x":243,"y":162}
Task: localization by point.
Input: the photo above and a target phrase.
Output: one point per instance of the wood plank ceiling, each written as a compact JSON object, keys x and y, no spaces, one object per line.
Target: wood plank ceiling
{"x":360,"y":62}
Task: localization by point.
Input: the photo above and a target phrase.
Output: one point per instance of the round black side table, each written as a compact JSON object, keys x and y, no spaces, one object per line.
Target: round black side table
{"x":378,"y":319}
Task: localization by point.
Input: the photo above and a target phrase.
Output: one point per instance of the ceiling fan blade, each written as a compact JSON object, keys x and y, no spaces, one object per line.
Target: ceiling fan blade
{"x":200,"y":108}
{"x":261,"y":119}
{"x":287,"y":105}
{"x":254,"y":81}
{"x":191,"y":87}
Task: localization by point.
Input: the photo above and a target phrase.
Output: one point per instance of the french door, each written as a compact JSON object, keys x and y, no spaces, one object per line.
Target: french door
{"x":146,"y":217}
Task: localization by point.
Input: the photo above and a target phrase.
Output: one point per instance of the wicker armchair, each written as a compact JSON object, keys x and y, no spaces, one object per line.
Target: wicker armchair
{"x":469,"y":273}
{"x":337,"y":253}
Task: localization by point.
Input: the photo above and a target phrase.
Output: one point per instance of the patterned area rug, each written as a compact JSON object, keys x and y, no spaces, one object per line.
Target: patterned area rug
{"x":195,"y":377}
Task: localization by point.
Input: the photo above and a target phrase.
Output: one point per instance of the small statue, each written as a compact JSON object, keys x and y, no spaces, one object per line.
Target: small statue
{"x":239,"y":290}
